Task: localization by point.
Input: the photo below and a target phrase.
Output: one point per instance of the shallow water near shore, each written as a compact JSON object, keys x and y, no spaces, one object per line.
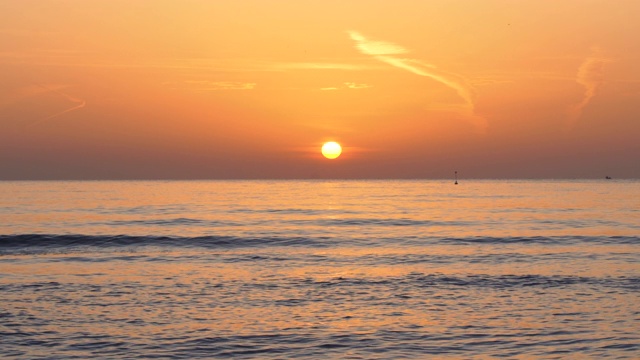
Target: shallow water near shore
{"x":320,"y":269}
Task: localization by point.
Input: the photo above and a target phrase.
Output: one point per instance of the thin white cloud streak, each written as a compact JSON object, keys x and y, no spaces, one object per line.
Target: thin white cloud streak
{"x":221,"y":85}
{"x":348,"y":85}
{"x":387,"y":53}
{"x":206,"y":85}
{"x":79,"y":105}
{"x":590,"y":75}
{"x":319,"y":66}
{"x":375,"y":48}
{"x":84,"y":60}
{"x":352,"y":85}
{"x":448,"y":79}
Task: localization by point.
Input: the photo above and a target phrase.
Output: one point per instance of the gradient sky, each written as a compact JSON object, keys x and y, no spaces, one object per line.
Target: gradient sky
{"x":158,"y":89}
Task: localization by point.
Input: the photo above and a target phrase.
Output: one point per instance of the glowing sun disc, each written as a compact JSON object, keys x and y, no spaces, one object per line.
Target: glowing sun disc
{"x":331,"y":150}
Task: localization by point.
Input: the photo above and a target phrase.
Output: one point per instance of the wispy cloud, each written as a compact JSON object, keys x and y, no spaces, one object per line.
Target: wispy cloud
{"x":68,"y":58}
{"x":348,"y":85}
{"x":207,"y":85}
{"x":376,"y":48}
{"x":590,"y":75}
{"x":224,"y":85}
{"x":389,"y":53}
{"x":79,"y":104}
{"x":352,"y":85}
{"x":318,"y":66}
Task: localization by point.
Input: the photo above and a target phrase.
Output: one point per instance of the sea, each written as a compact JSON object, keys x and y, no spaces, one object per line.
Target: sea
{"x":320,"y":269}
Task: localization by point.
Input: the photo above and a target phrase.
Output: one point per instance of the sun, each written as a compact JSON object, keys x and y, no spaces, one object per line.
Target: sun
{"x":331,"y":150}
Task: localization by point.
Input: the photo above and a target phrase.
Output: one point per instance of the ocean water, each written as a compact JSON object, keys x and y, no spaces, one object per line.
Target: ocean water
{"x":320,"y":269}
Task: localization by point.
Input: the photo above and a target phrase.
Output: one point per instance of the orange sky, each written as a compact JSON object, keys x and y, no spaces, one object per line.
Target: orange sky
{"x":119,"y":89}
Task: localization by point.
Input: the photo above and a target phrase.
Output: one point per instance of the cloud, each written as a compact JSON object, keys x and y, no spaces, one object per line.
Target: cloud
{"x":387,"y":53}
{"x":349,"y":85}
{"x":79,"y":103}
{"x":318,"y":66}
{"x":590,"y":75}
{"x":84,"y":60}
{"x":352,"y":85}
{"x":375,"y":48}
{"x":206,"y":85}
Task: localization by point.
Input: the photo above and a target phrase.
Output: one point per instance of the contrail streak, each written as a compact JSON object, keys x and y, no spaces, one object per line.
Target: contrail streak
{"x":79,"y":104}
{"x":388,"y":53}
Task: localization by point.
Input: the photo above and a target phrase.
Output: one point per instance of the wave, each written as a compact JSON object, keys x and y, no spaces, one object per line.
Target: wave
{"x":48,"y":242}
{"x":385,"y":222}
{"x":12,"y":243}
{"x":379,"y":222}
{"x":551,"y":240}
{"x":172,"y":222}
{"x":486,"y":281}
{"x":311,"y":218}
{"x":295,"y":211}
{"x":416,"y":280}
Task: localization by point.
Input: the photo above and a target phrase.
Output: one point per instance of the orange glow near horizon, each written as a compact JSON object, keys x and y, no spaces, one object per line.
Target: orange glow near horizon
{"x":165,"y":89}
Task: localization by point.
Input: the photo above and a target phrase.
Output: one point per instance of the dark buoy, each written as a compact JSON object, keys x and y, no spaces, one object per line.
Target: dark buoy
{"x":456,"y":176}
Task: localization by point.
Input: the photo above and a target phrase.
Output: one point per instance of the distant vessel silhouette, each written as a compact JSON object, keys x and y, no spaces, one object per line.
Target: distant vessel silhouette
{"x":456,"y":176}
{"x":608,"y":177}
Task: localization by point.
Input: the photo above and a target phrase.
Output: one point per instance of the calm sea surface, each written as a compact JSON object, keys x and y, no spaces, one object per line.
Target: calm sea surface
{"x":320,"y":269}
